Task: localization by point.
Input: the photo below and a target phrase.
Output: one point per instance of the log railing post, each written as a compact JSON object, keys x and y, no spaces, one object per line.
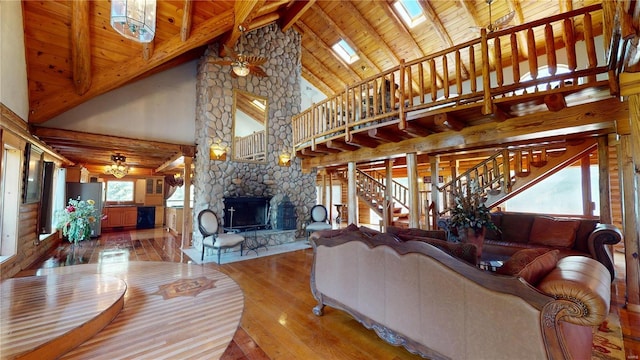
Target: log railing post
{"x":403,"y":120}
{"x":487,"y":107}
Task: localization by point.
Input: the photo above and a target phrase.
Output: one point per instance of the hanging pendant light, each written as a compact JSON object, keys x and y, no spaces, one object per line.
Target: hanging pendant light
{"x":134,"y":19}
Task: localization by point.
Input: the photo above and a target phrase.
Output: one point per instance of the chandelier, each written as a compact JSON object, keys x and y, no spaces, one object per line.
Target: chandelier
{"x":134,"y":19}
{"x":118,"y":168}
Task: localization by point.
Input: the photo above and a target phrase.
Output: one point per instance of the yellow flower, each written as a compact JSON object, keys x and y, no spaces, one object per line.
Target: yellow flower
{"x":91,"y":202}
{"x":92,"y":219}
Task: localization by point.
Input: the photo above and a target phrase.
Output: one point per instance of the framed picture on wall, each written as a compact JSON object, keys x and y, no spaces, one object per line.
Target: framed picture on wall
{"x":32,"y":174}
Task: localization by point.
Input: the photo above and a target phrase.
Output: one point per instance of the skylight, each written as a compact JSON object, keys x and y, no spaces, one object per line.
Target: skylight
{"x":410,"y":12}
{"x":345,"y":51}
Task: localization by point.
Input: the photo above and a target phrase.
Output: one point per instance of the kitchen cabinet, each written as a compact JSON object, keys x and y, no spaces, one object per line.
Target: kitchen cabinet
{"x":159,"y":216}
{"x":121,"y":216}
{"x":154,"y":192}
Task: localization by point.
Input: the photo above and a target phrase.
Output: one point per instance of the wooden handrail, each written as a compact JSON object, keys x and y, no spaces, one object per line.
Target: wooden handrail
{"x":366,"y":103}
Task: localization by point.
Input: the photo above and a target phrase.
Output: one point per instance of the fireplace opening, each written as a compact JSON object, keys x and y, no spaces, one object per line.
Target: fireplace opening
{"x":248,"y":211}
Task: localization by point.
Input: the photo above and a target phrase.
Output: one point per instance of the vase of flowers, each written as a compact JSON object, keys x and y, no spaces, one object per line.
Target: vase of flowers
{"x":75,"y":220}
{"x":470,"y":216}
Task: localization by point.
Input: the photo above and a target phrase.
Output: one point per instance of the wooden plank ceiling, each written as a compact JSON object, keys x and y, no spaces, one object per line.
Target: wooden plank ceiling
{"x":74,"y":55}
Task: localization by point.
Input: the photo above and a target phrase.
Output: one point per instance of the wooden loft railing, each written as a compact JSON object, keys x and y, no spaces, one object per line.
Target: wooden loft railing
{"x":251,"y":147}
{"x":474,"y":72}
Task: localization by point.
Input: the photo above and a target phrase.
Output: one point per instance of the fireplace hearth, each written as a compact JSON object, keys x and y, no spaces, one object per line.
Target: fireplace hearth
{"x":248,"y":211}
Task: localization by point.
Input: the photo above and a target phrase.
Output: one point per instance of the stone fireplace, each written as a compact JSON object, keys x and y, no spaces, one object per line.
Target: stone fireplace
{"x":216,"y":180}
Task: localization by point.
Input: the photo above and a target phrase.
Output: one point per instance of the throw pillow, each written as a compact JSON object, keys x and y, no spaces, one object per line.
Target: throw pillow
{"x":530,"y":264}
{"x":555,"y":233}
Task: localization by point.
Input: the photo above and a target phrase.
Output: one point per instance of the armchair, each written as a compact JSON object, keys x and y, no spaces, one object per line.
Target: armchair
{"x":208,"y":226}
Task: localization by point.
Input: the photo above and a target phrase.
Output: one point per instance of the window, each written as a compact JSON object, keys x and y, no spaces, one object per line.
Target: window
{"x":543,"y":72}
{"x":177,"y":199}
{"x":120,"y":191}
{"x":410,"y":11}
{"x":345,"y":51}
{"x":564,"y":187}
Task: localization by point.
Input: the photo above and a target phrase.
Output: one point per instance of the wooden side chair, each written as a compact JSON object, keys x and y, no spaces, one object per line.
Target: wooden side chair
{"x":319,"y":220}
{"x":208,"y":225}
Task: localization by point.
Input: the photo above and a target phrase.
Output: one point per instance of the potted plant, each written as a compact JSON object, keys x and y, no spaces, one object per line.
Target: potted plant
{"x":75,"y":220}
{"x":470,"y":216}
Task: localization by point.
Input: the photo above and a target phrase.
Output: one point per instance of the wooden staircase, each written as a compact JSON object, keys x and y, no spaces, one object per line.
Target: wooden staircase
{"x":502,"y":176}
{"x":511,"y":171}
{"x":371,"y":189}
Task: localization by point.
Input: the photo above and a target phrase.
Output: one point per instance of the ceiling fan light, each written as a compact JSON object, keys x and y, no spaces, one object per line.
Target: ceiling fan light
{"x":240,"y":69}
{"x":134,"y":19}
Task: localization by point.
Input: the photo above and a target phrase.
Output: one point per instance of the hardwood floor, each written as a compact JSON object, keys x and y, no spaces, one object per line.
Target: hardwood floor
{"x":277,"y":322}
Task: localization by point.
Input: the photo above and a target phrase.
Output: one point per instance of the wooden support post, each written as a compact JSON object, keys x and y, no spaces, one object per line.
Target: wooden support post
{"x":388,"y":196}
{"x":587,"y":201}
{"x":186,"y":204}
{"x":630,"y":220}
{"x":352,"y":201}
{"x":435,"y":193}
{"x":506,"y":172}
{"x":414,"y":194}
{"x":323,"y":188}
{"x":330,"y":204}
{"x":606,"y":214}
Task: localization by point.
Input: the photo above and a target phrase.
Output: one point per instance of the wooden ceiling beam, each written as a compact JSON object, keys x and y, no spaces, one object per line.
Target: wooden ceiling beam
{"x":81,"y":45}
{"x":514,"y":5}
{"x":323,"y":71}
{"x":105,"y":141}
{"x":442,"y":32}
{"x":289,"y":16}
{"x":316,"y":81}
{"x":244,"y":12}
{"x":386,"y":7}
{"x":306,"y":31}
{"x":122,"y":73}
{"x":187,"y":17}
{"x":334,"y":26}
{"x":362,"y":21}
{"x":147,"y":49}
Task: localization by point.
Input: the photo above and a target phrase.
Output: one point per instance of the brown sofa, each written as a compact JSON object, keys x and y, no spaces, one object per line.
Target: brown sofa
{"x":571,"y":236}
{"x":435,"y":305}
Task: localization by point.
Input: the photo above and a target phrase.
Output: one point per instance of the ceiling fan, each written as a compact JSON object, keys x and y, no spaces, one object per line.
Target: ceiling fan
{"x":242,"y":64}
{"x":501,"y":23}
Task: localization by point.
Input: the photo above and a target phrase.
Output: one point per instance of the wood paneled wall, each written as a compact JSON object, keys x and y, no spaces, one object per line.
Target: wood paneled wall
{"x":28,"y":248}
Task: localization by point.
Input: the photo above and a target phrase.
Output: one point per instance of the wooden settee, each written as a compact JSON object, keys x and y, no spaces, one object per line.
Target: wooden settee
{"x":415,"y":295}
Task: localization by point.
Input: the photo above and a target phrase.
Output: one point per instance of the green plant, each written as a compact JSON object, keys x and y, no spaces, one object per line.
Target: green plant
{"x":470,"y":210}
{"x":75,"y":219}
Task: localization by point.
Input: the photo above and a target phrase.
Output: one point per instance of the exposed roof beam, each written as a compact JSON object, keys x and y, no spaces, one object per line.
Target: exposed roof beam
{"x":565,"y":5}
{"x":362,"y":21}
{"x":80,"y":46}
{"x":407,"y":34}
{"x":442,"y":32}
{"x":185,"y":28}
{"x":332,"y":24}
{"x":514,"y":5}
{"x":244,"y":12}
{"x":122,"y":73}
{"x":370,"y":31}
{"x":294,"y":12}
{"x":306,"y":31}
{"x":317,"y":82}
{"x":147,"y":49}
{"x":322,"y":69}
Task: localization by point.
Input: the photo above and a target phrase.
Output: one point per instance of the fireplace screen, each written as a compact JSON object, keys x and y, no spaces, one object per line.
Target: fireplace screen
{"x":247,"y":211}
